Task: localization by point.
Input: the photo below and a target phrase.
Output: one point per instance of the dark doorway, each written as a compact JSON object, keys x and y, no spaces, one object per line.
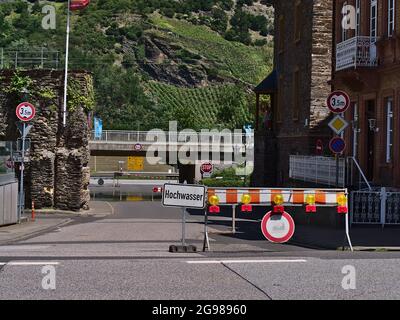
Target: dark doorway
{"x":370,"y":143}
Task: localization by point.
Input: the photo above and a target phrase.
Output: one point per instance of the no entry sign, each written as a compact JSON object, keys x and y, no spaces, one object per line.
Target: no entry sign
{"x":337,"y":145}
{"x":25,"y":111}
{"x":338,"y":101}
{"x":278,"y":228}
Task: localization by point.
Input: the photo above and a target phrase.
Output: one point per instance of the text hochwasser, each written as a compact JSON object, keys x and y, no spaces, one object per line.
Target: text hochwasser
{"x":183,"y":196}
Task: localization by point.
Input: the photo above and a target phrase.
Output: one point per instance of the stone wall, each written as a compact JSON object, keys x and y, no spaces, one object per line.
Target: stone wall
{"x":311,"y":56}
{"x":57,"y":174}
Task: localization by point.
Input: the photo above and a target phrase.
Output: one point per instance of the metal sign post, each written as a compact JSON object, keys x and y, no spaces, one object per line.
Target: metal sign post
{"x":21,"y":188}
{"x":184,"y":196}
{"x":25,"y":112}
{"x":183,"y":226}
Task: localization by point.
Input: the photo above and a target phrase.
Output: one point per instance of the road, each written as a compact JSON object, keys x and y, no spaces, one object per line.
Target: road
{"x":125,"y":256}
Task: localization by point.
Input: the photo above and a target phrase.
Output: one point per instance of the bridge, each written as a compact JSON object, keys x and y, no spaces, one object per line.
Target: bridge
{"x":163,"y":146}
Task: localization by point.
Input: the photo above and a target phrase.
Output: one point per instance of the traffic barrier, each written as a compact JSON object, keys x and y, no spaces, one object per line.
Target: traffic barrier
{"x":156,"y":190}
{"x":279,"y":199}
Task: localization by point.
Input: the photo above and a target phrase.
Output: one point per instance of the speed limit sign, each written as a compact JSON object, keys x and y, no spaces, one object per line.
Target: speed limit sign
{"x":25,"y":111}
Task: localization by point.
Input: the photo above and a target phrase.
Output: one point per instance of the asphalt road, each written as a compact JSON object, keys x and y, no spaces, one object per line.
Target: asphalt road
{"x":125,"y":256}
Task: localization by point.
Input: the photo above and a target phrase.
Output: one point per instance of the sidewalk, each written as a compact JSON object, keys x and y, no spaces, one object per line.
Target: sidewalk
{"x":28,"y":229}
{"x":49,"y":219}
{"x":362,"y":237}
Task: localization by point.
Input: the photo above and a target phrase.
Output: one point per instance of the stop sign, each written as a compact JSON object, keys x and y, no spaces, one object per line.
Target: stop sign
{"x":206,"y":168}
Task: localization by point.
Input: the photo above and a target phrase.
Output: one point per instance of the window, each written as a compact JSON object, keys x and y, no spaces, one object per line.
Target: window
{"x":297,"y":24}
{"x":389,"y":130}
{"x":355,"y":129}
{"x":358,"y":18}
{"x":344,"y":30}
{"x":296,"y":94}
{"x":391,"y":17}
{"x":374,"y":20}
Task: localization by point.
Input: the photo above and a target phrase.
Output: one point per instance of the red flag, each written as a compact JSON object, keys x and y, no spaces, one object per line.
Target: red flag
{"x":78,"y":4}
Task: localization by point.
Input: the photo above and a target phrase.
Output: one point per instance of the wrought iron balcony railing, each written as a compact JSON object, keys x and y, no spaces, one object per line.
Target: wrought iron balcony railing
{"x":356,"y":52}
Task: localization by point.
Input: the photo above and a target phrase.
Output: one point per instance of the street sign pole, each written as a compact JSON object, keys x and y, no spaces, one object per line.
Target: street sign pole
{"x":21,"y":188}
{"x":337,"y":169}
{"x":183,"y":226}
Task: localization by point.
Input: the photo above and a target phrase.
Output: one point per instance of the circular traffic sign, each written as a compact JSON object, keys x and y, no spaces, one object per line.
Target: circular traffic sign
{"x":278,"y":228}
{"x":206,"y":167}
{"x":337,"y":145}
{"x":338,"y":101}
{"x":9,"y":163}
{"x":25,"y":111}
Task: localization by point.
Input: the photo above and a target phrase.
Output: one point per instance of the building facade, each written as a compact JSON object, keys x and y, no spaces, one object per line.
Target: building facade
{"x":367,"y":67}
{"x":299,"y":85}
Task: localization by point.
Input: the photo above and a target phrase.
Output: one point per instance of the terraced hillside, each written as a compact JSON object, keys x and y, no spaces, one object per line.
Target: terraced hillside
{"x":154,"y":61}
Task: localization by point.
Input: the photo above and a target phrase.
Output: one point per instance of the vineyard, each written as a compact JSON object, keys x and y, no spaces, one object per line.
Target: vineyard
{"x":249,"y":64}
{"x":211,"y":107}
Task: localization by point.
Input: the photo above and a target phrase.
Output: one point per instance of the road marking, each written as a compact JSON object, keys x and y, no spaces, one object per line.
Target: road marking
{"x":23,"y":247}
{"x":244,"y":261}
{"x":25,"y":263}
{"x":112,"y":208}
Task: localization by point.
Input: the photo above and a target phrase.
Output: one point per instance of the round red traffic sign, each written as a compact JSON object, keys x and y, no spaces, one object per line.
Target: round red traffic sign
{"x":25,"y":111}
{"x":206,"y":167}
{"x":9,"y":163}
{"x":278,"y":228}
{"x":338,"y":101}
{"x":337,"y":145}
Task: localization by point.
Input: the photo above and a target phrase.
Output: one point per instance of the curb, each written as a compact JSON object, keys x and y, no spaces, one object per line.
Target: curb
{"x":35,"y":233}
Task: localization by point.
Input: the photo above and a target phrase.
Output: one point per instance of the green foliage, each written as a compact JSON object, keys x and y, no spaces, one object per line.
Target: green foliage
{"x":76,"y":98}
{"x":202,"y":108}
{"x":18,"y":84}
{"x":108,"y":39}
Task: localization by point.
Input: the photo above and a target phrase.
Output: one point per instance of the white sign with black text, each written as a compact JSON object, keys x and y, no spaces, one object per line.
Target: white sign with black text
{"x":184,"y":196}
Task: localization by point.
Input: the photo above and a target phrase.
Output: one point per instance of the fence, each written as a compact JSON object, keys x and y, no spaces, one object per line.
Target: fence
{"x":318,"y":170}
{"x":39,"y":59}
{"x":375,"y":207}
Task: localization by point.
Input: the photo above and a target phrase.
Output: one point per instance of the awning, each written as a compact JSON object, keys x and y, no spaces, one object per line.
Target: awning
{"x":268,"y":85}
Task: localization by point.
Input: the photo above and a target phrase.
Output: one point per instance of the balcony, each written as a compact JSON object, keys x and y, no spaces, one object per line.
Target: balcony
{"x":356,"y":52}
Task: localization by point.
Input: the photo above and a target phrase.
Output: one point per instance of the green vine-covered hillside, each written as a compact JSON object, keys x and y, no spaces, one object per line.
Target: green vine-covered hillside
{"x":152,"y":61}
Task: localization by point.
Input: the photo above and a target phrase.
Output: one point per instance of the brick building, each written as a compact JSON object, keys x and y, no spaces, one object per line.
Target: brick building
{"x":367,"y":66}
{"x":298,"y":87}
{"x":314,"y":55}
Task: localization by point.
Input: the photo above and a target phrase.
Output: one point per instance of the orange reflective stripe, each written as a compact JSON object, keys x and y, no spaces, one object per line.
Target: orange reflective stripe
{"x":231,"y":196}
{"x":320,"y":197}
{"x":298,"y":197}
{"x":255,"y":196}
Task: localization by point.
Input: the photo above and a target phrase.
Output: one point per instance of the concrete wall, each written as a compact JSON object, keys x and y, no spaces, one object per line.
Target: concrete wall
{"x":57,"y":174}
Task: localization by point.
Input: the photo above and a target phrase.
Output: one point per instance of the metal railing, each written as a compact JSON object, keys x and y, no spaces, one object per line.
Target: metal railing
{"x":318,"y":170}
{"x":375,"y":207}
{"x":152,"y":136}
{"x":356,"y":52}
{"x":23,"y":59}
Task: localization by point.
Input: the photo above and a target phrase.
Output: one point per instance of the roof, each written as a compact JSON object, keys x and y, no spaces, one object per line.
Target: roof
{"x":268,"y":85}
